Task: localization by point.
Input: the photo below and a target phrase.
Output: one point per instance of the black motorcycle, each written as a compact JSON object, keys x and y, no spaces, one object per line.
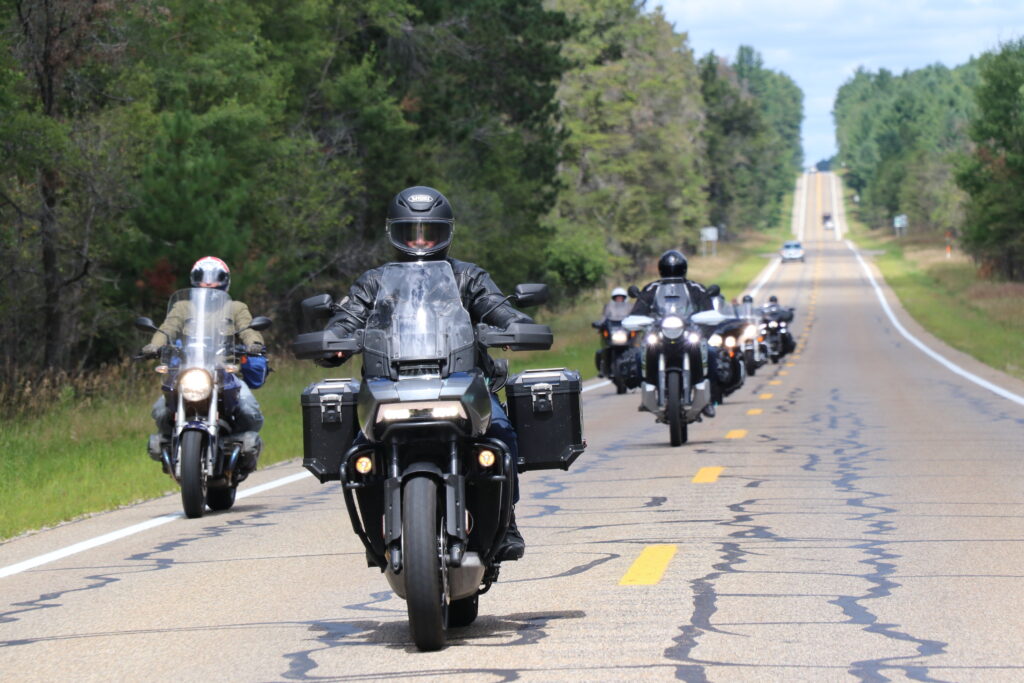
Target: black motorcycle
{"x":428,"y":494}
{"x":618,"y":359}
{"x":774,"y":328}
{"x":725,"y":335}
{"x":675,"y":387}
{"x":200,"y":367}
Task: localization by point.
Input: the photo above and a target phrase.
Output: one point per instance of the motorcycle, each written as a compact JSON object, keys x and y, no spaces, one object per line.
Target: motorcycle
{"x":618,"y":358}
{"x":752,"y":342}
{"x":427,"y":492}
{"x":675,"y":387}
{"x":725,"y":335}
{"x":199,"y":368}
{"x":774,"y":328}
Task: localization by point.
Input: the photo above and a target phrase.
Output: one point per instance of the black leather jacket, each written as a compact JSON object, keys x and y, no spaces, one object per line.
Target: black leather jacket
{"x":479,"y":295}
{"x":698,"y":295}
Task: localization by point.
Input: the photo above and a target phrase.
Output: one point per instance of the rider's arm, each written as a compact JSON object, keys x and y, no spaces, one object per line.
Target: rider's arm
{"x":172,"y":325}
{"x":243,"y":318}
{"x":483,"y":295}
{"x":356,"y":307}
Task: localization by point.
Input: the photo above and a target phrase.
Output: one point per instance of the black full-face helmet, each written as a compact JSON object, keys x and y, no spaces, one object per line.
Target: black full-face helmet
{"x":747,"y":299}
{"x":420,"y":224}
{"x":672,"y":265}
{"x":773,"y":299}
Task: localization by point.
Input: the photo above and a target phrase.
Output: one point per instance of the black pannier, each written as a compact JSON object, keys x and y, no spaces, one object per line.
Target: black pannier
{"x":544,"y":407}
{"x":328,"y":425}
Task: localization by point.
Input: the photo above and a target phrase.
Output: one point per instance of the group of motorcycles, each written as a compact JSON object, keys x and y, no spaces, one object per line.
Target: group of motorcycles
{"x":429,"y":494}
{"x":682,"y":359}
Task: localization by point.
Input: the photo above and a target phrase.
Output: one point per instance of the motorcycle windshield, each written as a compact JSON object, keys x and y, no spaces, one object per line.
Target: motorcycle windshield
{"x":418,"y":315}
{"x":672,"y":298}
{"x":205,"y":326}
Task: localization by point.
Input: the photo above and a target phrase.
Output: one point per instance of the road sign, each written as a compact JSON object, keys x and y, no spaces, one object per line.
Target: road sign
{"x":709,"y":234}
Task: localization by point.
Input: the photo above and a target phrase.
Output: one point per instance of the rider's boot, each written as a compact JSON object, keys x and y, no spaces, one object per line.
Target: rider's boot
{"x":157,"y":445}
{"x":709,"y":409}
{"x":512,"y":546}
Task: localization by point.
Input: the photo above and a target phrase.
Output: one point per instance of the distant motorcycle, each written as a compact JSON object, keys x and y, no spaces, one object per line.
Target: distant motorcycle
{"x":774,"y":328}
{"x":725,"y":334}
{"x":618,"y":359}
{"x":675,"y":387}
{"x":199,"y":368}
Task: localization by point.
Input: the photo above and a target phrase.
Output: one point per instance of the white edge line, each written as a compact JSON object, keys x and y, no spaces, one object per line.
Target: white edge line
{"x":131,"y":530}
{"x":949,"y":365}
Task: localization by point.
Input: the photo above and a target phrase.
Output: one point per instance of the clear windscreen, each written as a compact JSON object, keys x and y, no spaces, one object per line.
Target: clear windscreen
{"x":673,"y":298}
{"x":207,"y":327}
{"x":418,"y":315}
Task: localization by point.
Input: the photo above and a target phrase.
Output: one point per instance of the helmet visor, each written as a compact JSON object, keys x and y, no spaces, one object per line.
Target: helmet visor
{"x":420,"y":237}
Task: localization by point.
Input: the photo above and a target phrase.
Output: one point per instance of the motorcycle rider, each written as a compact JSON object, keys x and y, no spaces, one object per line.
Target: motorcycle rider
{"x":672,"y":267}
{"x":419,"y":225}
{"x":772,"y":310}
{"x":208,"y":272}
{"x":616,"y":309}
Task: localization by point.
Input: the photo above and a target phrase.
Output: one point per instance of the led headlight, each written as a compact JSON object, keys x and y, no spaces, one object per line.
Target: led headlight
{"x":773,"y":324}
{"x":421,"y":410}
{"x":195,"y":385}
{"x":730,"y":342}
{"x":620,"y":336}
{"x":693,"y":337}
{"x":715,"y":340}
{"x":652,"y":339}
{"x":672,"y":327}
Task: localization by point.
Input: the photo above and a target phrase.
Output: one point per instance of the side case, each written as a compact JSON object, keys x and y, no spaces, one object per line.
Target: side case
{"x":544,"y":407}
{"x":328,"y":425}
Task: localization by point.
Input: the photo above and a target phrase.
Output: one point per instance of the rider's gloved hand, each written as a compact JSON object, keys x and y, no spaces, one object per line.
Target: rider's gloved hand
{"x":150,"y":350}
{"x":255,"y":349}
{"x":332,"y":360}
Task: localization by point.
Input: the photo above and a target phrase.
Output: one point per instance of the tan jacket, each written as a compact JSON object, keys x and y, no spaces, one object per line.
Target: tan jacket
{"x":179,"y":313}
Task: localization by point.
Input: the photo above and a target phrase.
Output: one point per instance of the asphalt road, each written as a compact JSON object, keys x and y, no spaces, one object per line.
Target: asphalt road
{"x":855,"y":512}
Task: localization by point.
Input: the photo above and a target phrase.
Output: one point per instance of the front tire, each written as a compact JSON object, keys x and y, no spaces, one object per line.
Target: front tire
{"x":425,"y":593}
{"x":674,"y":410}
{"x":193,"y":474}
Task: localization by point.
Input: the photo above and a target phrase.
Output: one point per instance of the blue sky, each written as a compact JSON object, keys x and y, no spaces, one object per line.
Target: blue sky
{"x":819,"y":43}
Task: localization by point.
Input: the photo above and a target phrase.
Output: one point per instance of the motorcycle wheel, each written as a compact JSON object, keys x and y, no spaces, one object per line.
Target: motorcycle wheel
{"x":674,"y":410}
{"x":193,"y":474}
{"x":426,"y":595}
{"x":221,"y":499}
{"x":620,"y":384}
{"x":463,"y":612}
{"x":751,"y":368}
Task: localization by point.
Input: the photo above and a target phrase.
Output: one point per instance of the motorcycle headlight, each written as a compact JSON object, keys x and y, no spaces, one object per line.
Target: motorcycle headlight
{"x":715,"y":340}
{"x":749,"y":333}
{"x":620,"y":336}
{"x":693,"y":337}
{"x":672,"y":327}
{"x":652,"y":339}
{"x":773,"y":324}
{"x":195,"y":385}
{"x":730,"y":342}
{"x":421,"y":410}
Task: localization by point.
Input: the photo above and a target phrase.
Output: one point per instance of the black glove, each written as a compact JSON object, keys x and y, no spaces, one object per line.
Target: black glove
{"x":332,"y":360}
{"x":255,"y":349}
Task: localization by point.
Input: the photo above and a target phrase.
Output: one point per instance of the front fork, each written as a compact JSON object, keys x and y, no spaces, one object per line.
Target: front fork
{"x":211,"y":426}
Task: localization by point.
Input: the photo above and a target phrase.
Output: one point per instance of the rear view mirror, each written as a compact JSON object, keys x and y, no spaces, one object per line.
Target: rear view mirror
{"x":530,"y":294}
{"x":315,"y":309}
{"x":145,"y":324}
{"x":260,"y":322}
{"x":714,"y":290}
{"x":637,"y":322}
{"x":633,"y":291}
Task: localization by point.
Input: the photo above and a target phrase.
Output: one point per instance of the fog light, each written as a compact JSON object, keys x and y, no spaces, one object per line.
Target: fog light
{"x":486,"y":458}
{"x":364,"y":464}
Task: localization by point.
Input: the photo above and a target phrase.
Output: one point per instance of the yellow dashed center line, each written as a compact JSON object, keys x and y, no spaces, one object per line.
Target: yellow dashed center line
{"x":790,"y":365}
{"x":775,"y":382}
{"x":650,"y":566}
{"x":754,"y":411}
{"x":783,"y":372}
{"x":736,"y":434}
{"x":765,"y":397}
{"x":707,"y":475}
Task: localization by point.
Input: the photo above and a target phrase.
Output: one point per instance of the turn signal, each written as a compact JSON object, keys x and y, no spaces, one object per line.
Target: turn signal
{"x":364,"y":464}
{"x":486,"y":458}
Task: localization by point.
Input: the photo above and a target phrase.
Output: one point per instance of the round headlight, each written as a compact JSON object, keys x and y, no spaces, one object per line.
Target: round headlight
{"x":773,"y":324}
{"x":620,"y":336}
{"x":195,"y":385}
{"x":652,"y":339}
{"x":672,"y":327}
{"x":694,"y":337}
{"x":715,"y":339}
{"x":730,"y":342}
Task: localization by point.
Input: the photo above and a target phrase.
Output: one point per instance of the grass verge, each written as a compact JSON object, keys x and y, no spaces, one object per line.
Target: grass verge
{"x":80,"y":458}
{"x":982,"y":318}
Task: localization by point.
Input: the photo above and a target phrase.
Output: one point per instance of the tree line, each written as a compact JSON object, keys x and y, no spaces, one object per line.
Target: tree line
{"x":946,"y":148}
{"x":576,"y":139}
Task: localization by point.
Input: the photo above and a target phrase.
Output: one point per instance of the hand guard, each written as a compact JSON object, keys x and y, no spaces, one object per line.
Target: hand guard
{"x":255,"y":349}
